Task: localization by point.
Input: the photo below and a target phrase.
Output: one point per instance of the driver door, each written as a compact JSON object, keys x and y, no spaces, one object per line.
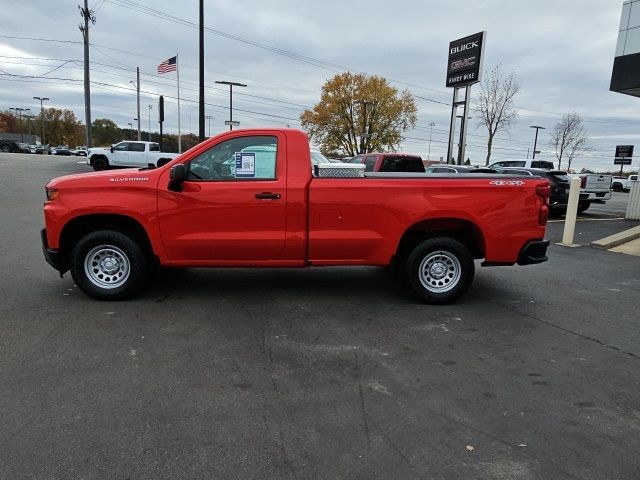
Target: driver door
{"x":120,"y":155}
{"x":232,"y":207}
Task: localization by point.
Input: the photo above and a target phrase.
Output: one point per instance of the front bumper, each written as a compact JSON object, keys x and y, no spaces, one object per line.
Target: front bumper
{"x":51,"y":255}
{"x":534,"y":252}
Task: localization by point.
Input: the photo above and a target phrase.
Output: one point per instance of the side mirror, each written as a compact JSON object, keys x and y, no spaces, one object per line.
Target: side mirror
{"x":177,"y":175}
{"x":111,"y":148}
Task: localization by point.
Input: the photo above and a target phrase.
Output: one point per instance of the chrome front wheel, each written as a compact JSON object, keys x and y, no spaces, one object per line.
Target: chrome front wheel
{"x":107,"y":266}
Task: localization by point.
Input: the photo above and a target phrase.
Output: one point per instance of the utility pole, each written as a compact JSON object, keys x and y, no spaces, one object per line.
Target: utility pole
{"x":150,"y":107}
{"x":430,"y":125}
{"x":42,"y":99}
{"x":209,"y":117}
{"x":535,"y":142}
{"x":201,"y":106}
{"x":88,"y":15}
{"x":137,"y":85}
{"x":231,"y":84}
{"x":19,"y":111}
{"x":365,"y":134}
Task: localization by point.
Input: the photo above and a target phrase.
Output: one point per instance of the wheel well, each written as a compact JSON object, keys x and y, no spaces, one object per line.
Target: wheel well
{"x":98,"y":157}
{"x":464,"y":231}
{"x":80,"y":226}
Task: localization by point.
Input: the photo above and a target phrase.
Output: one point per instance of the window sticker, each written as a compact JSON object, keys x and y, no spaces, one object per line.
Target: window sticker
{"x":245,"y":165}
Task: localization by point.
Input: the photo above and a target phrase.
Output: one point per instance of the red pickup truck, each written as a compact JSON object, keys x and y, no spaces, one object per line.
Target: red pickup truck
{"x":248,"y":198}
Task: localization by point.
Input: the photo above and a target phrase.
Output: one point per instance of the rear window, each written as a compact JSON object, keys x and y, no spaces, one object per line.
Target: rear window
{"x":541,"y":164}
{"x":136,"y":147}
{"x":154,"y":147}
{"x":522,"y":173}
{"x":370,"y":163}
{"x":402,"y":164}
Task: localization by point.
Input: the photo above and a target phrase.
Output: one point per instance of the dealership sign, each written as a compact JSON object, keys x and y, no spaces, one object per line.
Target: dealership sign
{"x":464,"y":66}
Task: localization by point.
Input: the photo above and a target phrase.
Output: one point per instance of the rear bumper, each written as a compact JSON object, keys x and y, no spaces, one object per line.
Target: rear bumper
{"x":51,"y":255}
{"x":534,"y":252}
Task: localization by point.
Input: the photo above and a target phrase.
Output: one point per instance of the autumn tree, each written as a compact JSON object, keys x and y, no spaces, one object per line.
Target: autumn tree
{"x":359,"y":113}
{"x":62,"y":127}
{"x":569,"y":139}
{"x":494,"y":103}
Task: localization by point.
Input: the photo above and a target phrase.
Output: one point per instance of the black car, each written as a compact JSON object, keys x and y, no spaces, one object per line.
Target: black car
{"x":61,"y":150}
{"x":559,"y":182}
{"x":8,"y":146}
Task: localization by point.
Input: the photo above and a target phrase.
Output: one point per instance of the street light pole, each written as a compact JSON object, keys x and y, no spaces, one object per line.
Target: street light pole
{"x":430,"y":125}
{"x":20,"y":110}
{"x":42,"y":99}
{"x":535,"y":142}
{"x":130,"y":130}
{"x":231,"y":84}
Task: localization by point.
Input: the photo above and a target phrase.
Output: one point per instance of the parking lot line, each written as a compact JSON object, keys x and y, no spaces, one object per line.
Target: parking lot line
{"x":590,"y":220}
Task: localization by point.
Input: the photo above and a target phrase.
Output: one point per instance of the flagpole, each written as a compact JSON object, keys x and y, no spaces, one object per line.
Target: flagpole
{"x":178,"y":75}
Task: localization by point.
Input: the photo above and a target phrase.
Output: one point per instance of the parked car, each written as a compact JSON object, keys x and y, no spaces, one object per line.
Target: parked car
{"x":110,"y":227}
{"x":81,"y":151}
{"x":389,"y":162}
{"x":623,"y":184}
{"x":61,"y":150}
{"x":128,"y":153}
{"x":43,"y":149}
{"x":23,"y":148}
{"x":597,"y":188}
{"x":559,"y":183}
{"x":8,"y":146}
{"x":447,"y":168}
{"x":524,"y":163}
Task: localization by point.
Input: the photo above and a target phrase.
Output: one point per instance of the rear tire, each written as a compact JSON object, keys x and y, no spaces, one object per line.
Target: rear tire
{"x":100,"y":164}
{"x":583,"y":207}
{"x":440,"y":270}
{"x":108,"y":265}
{"x":616,"y":187}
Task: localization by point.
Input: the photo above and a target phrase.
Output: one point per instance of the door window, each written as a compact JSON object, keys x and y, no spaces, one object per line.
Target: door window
{"x":121,"y":147}
{"x":240,"y":158}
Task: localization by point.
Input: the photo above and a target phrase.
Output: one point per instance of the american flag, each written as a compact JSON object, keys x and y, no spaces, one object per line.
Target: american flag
{"x":167,"y":66}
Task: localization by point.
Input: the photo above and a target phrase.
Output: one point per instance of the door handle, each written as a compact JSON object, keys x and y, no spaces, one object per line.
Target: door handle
{"x":267,"y":196}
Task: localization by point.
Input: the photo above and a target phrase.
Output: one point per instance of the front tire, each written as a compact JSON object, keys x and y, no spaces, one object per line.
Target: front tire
{"x":108,"y":265}
{"x":440,"y":270}
{"x":100,"y":164}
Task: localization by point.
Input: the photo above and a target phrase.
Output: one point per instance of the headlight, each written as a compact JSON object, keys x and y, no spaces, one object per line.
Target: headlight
{"x":52,"y":193}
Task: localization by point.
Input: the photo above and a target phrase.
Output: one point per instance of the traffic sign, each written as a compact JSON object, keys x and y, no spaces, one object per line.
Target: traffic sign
{"x":622,"y":161}
{"x":232,"y":123}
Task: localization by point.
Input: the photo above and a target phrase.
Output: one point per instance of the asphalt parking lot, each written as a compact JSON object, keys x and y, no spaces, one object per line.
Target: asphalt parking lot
{"x":323,"y":373}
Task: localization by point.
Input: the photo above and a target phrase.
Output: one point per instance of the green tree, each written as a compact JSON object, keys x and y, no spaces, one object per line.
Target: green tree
{"x":61,"y":127}
{"x":360,"y":113}
{"x":105,"y":132}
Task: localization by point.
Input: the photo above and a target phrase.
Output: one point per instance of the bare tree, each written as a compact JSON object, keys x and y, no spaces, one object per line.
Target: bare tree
{"x":495,"y":103}
{"x":569,"y":139}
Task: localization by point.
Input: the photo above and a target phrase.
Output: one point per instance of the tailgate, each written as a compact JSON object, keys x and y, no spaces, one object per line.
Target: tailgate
{"x":597,"y":183}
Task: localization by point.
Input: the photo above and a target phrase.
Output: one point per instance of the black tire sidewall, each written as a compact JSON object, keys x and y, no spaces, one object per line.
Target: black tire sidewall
{"x":451,"y":246}
{"x":100,"y":164}
{"x":137,"y":264}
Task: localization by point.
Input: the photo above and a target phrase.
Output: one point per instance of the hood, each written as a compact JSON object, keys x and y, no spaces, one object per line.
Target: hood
{"x":108,"y":178}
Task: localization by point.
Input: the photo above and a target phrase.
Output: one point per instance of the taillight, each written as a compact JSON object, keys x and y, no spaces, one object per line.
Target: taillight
{"x":583,"y":181}
{"x":543,"y":191}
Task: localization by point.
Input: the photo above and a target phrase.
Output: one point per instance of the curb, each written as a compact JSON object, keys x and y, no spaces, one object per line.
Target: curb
{"x":617,"y":239}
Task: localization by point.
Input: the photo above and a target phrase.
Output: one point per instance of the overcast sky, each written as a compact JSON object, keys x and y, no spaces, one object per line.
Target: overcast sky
{"x":561,"y":51}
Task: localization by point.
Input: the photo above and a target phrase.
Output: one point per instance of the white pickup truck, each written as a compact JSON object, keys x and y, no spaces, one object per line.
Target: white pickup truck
{"x":128,"y":154}
{"x":594,"y":188}
{"x":623,"y":184}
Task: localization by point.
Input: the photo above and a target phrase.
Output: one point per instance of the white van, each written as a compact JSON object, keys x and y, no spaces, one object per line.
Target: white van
{"x":524,"y":163}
